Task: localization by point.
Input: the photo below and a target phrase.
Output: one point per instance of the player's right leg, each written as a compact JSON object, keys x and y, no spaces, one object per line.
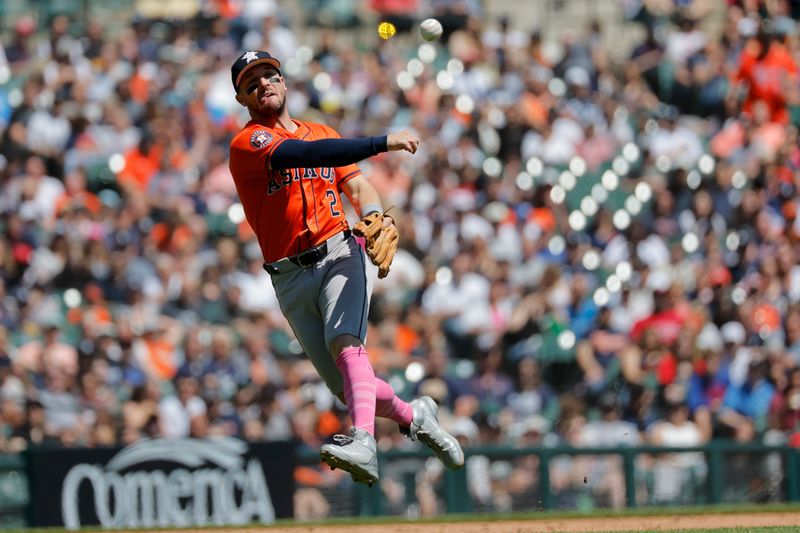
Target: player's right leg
{"x":357,"y":452}
{"x":344,"y":304}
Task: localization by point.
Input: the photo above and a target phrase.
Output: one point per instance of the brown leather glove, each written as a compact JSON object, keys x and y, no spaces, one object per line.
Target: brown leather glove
{"x":381,"y":240}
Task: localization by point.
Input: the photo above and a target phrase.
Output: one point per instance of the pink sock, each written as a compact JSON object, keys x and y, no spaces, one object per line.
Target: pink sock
{"x":359,"y":387}
{"x":387,"y":405}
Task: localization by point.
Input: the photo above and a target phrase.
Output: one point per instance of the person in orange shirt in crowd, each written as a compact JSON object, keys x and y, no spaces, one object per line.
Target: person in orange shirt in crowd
{"x":76,"y":195}
{"x":766,"y":71}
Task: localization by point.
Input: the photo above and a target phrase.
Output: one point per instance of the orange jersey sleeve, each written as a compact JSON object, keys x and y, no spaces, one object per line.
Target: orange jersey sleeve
{"x":251,"y":150}
{"x":293,"y":209}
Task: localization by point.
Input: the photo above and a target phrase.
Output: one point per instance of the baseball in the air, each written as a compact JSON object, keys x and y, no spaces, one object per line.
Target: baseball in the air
{"x":430,"y":29}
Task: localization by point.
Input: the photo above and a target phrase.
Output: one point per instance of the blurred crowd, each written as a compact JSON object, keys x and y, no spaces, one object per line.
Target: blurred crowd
{"x":594,"y":251}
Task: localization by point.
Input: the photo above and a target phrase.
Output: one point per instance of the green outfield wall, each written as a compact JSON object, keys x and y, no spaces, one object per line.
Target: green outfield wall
{"x":504,"y":479}
{"x":496,"y":479}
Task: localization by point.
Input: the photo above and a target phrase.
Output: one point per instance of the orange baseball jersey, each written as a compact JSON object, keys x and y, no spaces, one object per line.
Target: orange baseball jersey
{"x":290,"y":210}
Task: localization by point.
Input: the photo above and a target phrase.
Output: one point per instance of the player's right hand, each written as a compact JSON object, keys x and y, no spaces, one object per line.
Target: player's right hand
{"x":403,"y":140}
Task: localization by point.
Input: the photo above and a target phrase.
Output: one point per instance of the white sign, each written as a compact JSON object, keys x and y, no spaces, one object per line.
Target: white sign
{"x":213,"y":486}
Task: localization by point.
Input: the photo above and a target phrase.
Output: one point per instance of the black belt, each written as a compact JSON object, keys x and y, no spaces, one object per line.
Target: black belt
{"x":307,"y":258}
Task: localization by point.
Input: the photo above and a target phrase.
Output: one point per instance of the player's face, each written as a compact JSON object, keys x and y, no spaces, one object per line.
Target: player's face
{"x":262,"y":90}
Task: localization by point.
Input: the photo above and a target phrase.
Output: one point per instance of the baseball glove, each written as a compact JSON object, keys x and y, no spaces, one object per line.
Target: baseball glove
{"x":381,"y":241}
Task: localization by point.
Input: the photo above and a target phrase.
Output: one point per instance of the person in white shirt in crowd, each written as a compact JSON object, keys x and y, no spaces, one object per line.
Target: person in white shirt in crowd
{"x":677,"y":477}
{"x":183,"y":413}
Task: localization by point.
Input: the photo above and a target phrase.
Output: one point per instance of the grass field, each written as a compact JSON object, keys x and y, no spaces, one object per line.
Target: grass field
{"x":781,"y":518}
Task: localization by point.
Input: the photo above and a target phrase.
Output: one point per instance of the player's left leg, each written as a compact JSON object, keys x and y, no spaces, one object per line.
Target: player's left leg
{"x":388,"y":405}
{"x":426,"y":428}
{"x":419,"y":420}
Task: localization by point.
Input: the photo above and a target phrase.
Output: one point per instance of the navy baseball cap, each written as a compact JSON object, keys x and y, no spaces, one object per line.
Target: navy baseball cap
{"x":248,"y":60}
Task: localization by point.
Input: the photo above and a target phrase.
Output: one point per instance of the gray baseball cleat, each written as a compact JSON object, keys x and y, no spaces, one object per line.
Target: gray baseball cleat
{"x":356,"y":453}
{"x":425,"y":427}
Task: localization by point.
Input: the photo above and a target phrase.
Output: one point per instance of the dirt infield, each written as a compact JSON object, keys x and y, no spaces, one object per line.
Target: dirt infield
{"x":574,"y":525}
{"x":630,"y":523}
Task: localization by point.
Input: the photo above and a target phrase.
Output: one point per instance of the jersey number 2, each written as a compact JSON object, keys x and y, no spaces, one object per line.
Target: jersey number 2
{"x":334,"y":200}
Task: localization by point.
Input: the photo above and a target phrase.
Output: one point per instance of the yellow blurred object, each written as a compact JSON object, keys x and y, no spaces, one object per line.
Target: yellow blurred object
{"x":386,"y":30}
{"x":178,"y":9}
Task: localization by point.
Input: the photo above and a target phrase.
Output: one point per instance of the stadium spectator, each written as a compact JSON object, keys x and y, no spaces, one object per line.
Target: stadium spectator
{"x":676,"y":476}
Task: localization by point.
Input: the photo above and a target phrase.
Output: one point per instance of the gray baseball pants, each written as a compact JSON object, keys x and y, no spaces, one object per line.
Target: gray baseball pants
{"x":324,"y":301}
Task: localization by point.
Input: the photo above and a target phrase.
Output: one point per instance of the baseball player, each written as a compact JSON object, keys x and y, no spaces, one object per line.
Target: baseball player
{"x":289,"y":175}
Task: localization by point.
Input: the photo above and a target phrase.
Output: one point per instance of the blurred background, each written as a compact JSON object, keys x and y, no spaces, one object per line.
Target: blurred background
{"x":599,"y":235}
